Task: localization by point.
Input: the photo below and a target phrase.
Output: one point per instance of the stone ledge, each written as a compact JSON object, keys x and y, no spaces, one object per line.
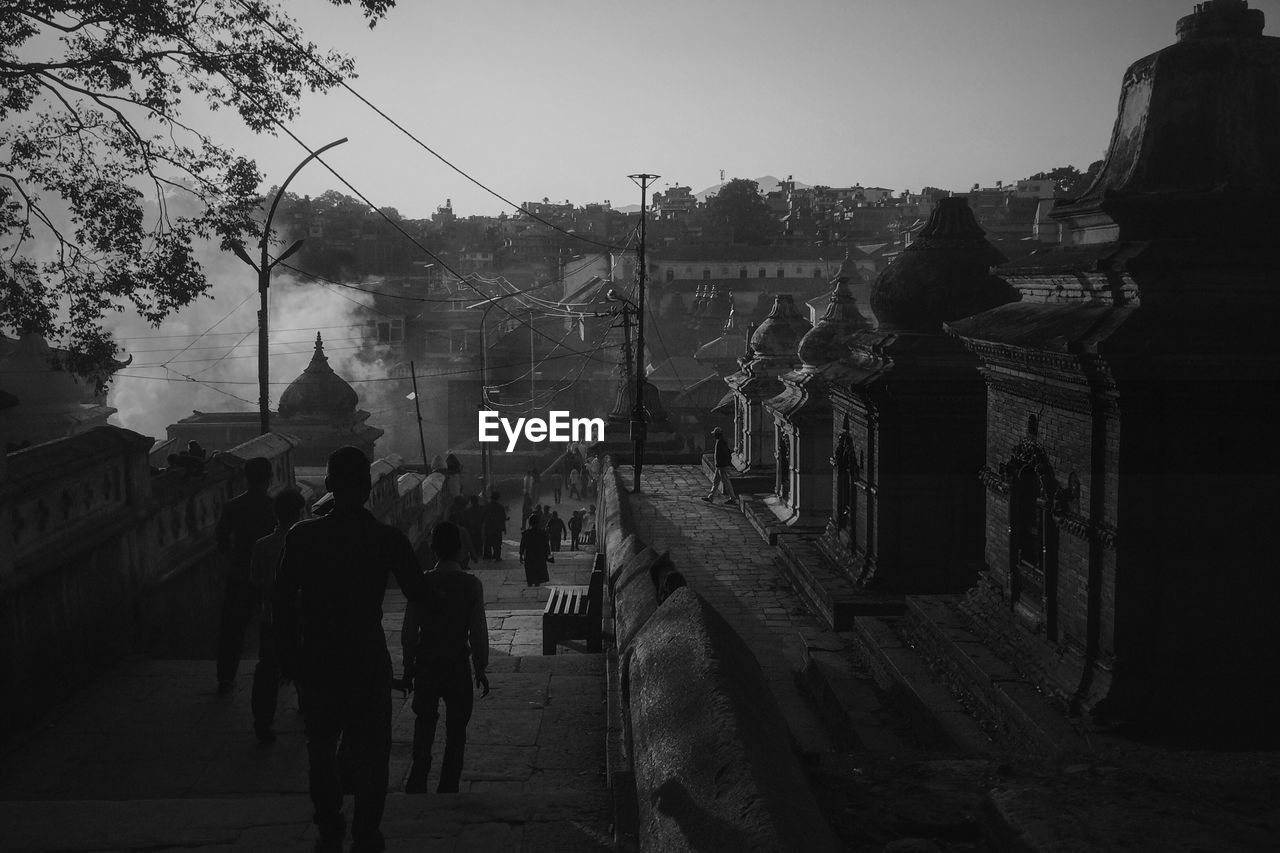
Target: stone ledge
{"x":714,"y":764}
{"x":760,"y":513}
{"x":1010,"y":703}
{"x":826,"y":590}
{"x":917,"y":694}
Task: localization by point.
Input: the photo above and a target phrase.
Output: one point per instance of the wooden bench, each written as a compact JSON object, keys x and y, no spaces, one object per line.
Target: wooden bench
{"x":574,"y":612}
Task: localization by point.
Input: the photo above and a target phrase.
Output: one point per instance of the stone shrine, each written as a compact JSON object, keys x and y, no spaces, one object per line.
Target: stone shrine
{"x":773,"y":353}
{"x":802,"y":412}
{"x":1131,"y":489}
{"x":908,"y":418}
{"x":319,"y":408}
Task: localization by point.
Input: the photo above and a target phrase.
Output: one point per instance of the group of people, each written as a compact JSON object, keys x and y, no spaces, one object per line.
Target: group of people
{"x":318,"y":586}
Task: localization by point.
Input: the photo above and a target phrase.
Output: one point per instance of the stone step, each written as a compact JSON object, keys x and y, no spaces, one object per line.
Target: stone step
{"x":1010,"y":704}
{"x":828,"y":592}
{"x":759,"y":510}
{"x":847,"y":699}
{"x":928,"y":705}
{"x":473,"y":821}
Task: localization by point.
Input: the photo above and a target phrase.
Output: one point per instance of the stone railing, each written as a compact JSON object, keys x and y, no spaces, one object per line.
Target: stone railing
{"x":101,"y":559}
{"x":713,"y":764}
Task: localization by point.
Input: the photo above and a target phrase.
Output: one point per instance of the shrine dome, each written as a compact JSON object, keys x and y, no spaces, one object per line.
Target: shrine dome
{"x":825,"y":343}
{"x":318,"y":391}
{"x":781,"y":331}
{"x":942,"y":276}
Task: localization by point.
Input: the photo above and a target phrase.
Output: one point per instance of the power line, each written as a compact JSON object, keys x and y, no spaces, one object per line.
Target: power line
{"x":409,"y":236}
{"x":343,"y":83}
{"x":432,"y":375}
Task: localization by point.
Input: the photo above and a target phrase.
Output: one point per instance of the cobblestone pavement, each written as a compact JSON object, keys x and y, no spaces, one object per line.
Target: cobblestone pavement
{"x":724,"y":559}
{"x":150,"y":757}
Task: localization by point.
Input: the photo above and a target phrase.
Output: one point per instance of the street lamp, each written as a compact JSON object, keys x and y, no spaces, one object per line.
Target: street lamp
{"x":264,"y":267}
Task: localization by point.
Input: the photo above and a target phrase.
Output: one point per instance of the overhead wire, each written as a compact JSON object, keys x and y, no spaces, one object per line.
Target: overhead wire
{"x":340,"y":81}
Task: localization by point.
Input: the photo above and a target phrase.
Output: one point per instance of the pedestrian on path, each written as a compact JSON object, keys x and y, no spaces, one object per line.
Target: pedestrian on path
{"x":438,"y":637}
{"x":555,"y":531}
{"x":331,"y":581}
{"x":535,"y":552}
{"x":287,"y":505}
{"x":458,"y":516}
{"x":495,"y":524}
{"x":575,"y":484}
{"x":245,"y":519}
{"x":575,"y":529}
{"x":557,"y":487}
{"x":475,"y":526}
{"x":724,"y":464}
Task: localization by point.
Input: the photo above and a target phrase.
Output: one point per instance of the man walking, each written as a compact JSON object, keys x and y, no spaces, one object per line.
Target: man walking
{"x":724,"y":464}
{"x":557,"y":487}
{"x":438,"y":637}
{"x":575,"y":529}
{"x":331,"y":580}
{"x":495,"y":524}
{"x":245,"y":519}
{"x":288,"y":505}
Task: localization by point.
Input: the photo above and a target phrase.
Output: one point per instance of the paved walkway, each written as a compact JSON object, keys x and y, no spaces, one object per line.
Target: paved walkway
{"x":150,"y":757}
{"x":724,"y":559}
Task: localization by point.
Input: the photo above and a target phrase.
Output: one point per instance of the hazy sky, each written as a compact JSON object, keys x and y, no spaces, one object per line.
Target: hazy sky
{"x":564,"y":98}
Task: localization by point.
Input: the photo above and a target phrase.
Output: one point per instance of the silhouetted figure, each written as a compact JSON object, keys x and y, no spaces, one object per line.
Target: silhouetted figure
{"x":452,"y":476}
{"x":438,"y":637}
{"x":458,"y":515}
{"x":475,"y":526}
{"x":495,"y":524}
{"x":724,"y":465}
{"x":575,"y":529}
{"x":245,"y":519}
{"x":557,"y":487}
{"x":555,"y":531}
{"x":191,"y":466}
{"x":534,"y":552}
{"x":575,"y":483}
{"x":195,"y":450}
{"x":265,"y":558}
{"x":327,"y":610}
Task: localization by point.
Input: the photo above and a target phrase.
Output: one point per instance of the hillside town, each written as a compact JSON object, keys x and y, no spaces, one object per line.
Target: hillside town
{"x":926,"y":520}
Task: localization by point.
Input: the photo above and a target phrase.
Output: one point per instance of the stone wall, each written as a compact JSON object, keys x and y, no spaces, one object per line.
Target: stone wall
{"x":108,"y":560}
{"x":714,"y":765}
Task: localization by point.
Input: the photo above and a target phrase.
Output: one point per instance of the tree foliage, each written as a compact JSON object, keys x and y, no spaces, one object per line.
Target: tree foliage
{"x":740,"y":206}
{"x":105,"y":190}
{"x":1069,"y":180}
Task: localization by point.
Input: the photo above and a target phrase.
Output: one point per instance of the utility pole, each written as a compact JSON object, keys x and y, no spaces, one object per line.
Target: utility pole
{"x":264,"y":267}
{"x":639,"y":417}
{"x":417,"y":407}
{"x":531,"y":364}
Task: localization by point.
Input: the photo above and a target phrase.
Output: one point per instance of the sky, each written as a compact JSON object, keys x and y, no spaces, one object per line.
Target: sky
{"x":564,"y":98}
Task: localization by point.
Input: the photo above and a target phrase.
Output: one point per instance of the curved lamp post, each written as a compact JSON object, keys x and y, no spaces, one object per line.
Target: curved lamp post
{"x":264,"y":267}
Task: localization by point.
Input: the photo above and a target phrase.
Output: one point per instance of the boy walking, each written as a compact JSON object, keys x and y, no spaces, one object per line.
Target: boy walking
{"x":438,"y":638}
{"x":724,"y":464}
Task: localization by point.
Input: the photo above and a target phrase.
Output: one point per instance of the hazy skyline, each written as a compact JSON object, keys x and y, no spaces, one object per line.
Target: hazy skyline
{"x":563,"y":99}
